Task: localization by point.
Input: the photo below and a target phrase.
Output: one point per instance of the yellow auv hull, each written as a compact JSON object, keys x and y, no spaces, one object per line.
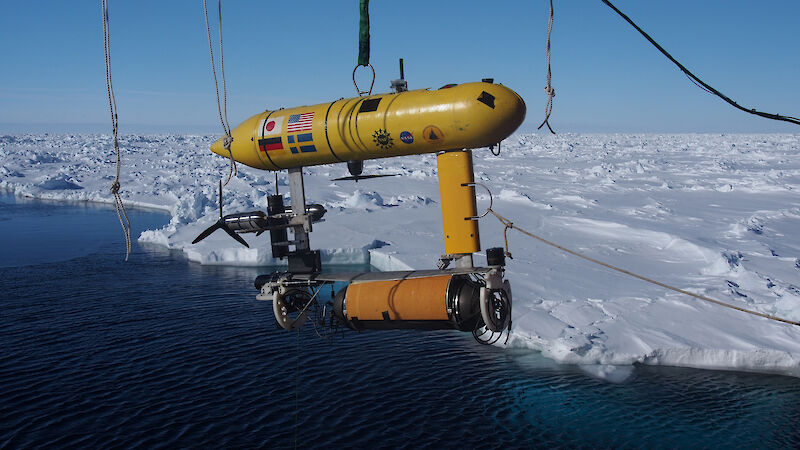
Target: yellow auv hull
{"x":470,"y":115}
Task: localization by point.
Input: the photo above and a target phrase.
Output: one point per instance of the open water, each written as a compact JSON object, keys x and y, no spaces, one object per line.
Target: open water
{"x":159,"y":352}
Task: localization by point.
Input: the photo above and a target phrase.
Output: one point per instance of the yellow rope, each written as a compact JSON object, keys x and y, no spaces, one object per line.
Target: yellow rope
{"x":508,"y":224}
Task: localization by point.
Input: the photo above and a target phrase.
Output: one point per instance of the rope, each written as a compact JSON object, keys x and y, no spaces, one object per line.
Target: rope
{"x":694,"y":78}
{"x":297,"y":367}
{"x":508,"y":224}
{"x":548,"y":108}
{"x":297,"y":388}
{"x":124,"y":221}
{"x":222,"y":107}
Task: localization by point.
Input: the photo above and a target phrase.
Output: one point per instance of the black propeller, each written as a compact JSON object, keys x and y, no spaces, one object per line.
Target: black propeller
{"x":364,"y":177}
{"x":220,"y":225}
{"x":355,"y":168}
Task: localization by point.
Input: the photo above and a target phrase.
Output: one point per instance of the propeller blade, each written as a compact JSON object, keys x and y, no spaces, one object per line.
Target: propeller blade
{"x":222,"y":225}
{"x":206,"y":233}
{"x":364,"y":177}
{"x":220,"y":198}
{"x":234,"y":235}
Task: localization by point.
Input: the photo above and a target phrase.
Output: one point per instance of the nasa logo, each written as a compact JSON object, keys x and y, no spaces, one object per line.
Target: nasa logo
{"x":407,"y":137}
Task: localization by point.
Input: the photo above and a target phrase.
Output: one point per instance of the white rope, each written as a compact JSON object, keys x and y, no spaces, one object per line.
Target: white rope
{"x":124,"y":221}
{"x":548,"y":109}
{"x":509,"y":224}
{"x":222,"y":107}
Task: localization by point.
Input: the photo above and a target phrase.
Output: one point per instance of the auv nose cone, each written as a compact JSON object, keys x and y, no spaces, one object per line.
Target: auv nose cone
{"x":217,"y":147}
{"x":510,"y":110}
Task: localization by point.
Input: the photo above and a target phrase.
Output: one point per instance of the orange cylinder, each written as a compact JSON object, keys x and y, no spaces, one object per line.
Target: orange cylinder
{"x":437,"y":302}
{"x":416,"y":299}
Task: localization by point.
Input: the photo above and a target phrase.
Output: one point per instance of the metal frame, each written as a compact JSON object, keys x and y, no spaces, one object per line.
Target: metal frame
{"x":301,"y":222}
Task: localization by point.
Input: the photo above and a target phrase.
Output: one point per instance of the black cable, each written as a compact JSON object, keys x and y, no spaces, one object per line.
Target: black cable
{"x":491,"y":340}
{"x":702,"y":84}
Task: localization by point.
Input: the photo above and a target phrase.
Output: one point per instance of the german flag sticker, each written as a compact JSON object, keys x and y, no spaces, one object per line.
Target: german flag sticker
{"x":433,"y":134}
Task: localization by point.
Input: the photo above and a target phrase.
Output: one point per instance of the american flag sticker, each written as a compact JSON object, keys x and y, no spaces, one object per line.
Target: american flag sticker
{"x":272,"y":126}
{"x":299,"y":122}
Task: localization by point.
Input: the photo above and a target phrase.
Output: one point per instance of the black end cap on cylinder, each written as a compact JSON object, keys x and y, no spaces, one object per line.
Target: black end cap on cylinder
{"x":275,"y":204}
{"x":495,"y":256}
{"x":488,"y":80}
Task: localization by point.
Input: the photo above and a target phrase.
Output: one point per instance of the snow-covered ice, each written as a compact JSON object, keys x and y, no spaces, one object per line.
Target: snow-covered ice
{"x":713,"y":214}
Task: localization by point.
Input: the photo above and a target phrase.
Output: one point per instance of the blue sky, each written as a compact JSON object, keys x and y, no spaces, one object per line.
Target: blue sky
{"x":281,"y":54}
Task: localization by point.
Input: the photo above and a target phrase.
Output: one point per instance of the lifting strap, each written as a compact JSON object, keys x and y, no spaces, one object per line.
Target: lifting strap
{"x":363,"y":47}
{"x":363,"y":34}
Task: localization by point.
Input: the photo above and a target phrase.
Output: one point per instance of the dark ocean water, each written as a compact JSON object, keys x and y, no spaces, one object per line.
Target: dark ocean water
{"x":160,"y":352}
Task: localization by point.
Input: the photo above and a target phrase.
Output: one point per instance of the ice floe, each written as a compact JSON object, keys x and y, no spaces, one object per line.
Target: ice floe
{"x":713,"y":214}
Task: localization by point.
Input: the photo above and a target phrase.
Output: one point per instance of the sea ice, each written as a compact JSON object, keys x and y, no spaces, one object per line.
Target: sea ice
{"x":712,"y":214}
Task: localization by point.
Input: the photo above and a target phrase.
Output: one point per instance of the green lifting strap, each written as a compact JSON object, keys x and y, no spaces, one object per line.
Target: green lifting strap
{"x":363,"y":34}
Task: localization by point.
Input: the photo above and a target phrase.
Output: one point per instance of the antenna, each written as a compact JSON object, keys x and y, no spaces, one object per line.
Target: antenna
{"x":400,"y":85}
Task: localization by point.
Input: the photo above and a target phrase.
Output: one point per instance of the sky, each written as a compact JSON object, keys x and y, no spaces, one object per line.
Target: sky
{"x":606,"y":76}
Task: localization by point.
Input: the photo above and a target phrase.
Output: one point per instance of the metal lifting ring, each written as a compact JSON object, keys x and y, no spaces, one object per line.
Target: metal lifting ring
{"x":473,"y":184}
{"x":360,"y":92}
{"x":491,"y":149}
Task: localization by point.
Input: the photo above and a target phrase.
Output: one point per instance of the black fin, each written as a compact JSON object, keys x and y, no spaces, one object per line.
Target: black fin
{"x":235,"y":236}
{"x":364,"y":177}
{"x":206,"y":233}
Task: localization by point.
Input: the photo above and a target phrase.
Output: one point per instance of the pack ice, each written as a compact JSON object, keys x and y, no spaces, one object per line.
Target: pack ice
{"x":716,"y":215}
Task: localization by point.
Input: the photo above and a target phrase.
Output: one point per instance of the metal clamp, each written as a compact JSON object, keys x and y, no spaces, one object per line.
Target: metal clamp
{"x":491,"y":149}
{"x":473,"y":184}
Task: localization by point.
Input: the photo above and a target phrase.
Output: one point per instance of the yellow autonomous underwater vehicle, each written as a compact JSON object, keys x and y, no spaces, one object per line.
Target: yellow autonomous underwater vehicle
{"x":456,"y":117}
{"x":449,"y":121}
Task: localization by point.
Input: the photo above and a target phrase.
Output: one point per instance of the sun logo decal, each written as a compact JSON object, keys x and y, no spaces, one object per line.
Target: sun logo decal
{"x":383,"y":139}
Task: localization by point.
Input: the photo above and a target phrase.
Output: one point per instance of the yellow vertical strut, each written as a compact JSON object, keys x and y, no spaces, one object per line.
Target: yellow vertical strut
{"x":458,"y":202}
